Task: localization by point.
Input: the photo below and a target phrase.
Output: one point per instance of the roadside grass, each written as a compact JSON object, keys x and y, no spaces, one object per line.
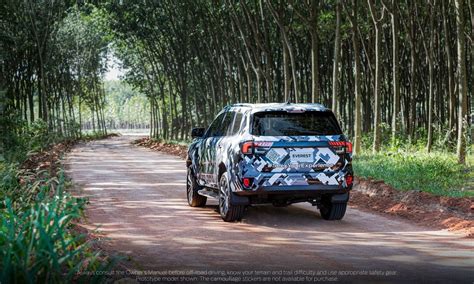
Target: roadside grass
{"x":38,"y":239}
{"x":436,"y":172}
{"x":36,"y":243}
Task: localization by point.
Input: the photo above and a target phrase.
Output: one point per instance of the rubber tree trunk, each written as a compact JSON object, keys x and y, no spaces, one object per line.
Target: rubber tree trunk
{"x":430,"y":56}
{"x":286,"y":72}
{"x":395,"y":70}
{"x":378,"y":60}
{"x":335,"y":69}
{"x":315,"y":95}
{"x":462,"y":84}
{"x":449,"y":63}
{"x":357,"y":82}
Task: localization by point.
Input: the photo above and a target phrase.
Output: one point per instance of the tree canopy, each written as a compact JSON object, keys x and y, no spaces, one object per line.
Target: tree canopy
{"x":396,"y":73}
{"x":391,"y":70}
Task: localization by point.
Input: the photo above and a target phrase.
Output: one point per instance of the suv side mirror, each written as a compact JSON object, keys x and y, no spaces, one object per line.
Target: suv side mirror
{"x":197,"y":132}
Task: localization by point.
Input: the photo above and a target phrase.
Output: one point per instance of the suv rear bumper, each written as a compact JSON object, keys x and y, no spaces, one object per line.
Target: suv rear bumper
{"x":316,"y":189}
{"x":295,"y":193}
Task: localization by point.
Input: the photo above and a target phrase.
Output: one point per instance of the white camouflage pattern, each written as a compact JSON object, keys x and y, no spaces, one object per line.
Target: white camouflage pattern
{"x":287,"y":161}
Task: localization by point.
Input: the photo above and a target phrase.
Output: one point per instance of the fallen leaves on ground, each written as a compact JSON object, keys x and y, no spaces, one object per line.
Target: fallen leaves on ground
{"x":169,"y":148}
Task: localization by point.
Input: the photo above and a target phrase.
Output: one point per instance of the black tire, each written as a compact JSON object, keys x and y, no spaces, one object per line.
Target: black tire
{"x":229,"y":212}
{"x":192,"y":187}
{"x":333,"y":211}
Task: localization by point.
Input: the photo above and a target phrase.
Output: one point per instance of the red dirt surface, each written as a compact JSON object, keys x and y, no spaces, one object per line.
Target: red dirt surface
{"x":454,"y":214}
{"x":441,"y":212}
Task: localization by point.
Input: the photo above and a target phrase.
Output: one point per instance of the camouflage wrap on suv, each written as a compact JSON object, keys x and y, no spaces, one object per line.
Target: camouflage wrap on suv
{"x":291,"y":161}
{"x":279,"y":162}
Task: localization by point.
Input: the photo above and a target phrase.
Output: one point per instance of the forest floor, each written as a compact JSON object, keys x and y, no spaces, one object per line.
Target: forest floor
{"x":138,"y":205}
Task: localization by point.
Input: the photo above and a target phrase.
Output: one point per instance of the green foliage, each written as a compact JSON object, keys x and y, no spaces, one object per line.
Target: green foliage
{"x":10,"y":140}
{"x":125,"y":107}
{"x":26,"y":138}
{"x":39,"y":136}
{"x":407,"y":166}
{"x":443,"y":140}
{"x":8,"y":179}
{"x":437,"y":172}
{"x":37,"y":243}
{"x":96,"y":135}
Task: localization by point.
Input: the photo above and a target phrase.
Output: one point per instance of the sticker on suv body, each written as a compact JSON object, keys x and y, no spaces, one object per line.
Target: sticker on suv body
{"x":302,"y":155}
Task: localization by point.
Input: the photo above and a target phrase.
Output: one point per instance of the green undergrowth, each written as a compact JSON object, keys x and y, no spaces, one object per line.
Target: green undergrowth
{"x":408,"y":166}
{"x":39,"y":241}
{"x":18,"y":143}
{"x":437,"y":172}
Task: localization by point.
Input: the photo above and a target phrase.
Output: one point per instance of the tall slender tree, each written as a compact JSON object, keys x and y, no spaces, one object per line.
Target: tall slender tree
{"x":335,"y":69}
{"x":377,"y":22}
{"x":462,"y":83}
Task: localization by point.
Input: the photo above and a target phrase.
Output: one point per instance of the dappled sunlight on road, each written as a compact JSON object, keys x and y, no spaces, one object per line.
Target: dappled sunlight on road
{"x":137,"y":200}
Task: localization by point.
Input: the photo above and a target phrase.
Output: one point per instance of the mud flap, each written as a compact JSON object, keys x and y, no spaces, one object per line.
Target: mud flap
{"x":340,"y":198}
{"x":239,"y":200}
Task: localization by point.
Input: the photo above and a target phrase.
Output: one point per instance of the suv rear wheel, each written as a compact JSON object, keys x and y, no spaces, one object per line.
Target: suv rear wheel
{"x":192,"y":187}
{"x":229,"y":212}
{"x":332,"y":211}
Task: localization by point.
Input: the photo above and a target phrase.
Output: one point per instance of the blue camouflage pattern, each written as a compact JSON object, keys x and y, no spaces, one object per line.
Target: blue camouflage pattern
{"x":284,"y":161}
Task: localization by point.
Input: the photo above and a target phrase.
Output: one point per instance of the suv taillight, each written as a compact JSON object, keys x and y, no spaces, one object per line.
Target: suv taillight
{"x":247,"y":182}
{"x":349,"y":180}
{"x":341,"y":146}
{"x":248,"y":147}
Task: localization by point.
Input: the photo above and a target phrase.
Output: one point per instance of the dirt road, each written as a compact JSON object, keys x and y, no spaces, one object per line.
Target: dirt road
{"x":138,"y":201}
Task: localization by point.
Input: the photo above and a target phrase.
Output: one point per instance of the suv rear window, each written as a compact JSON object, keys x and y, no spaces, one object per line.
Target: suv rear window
{"x":282,"y":123}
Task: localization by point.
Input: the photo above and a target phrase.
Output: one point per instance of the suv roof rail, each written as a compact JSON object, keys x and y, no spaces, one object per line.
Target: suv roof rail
{"x":261,"y":105}
{"x":241,"y":105}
